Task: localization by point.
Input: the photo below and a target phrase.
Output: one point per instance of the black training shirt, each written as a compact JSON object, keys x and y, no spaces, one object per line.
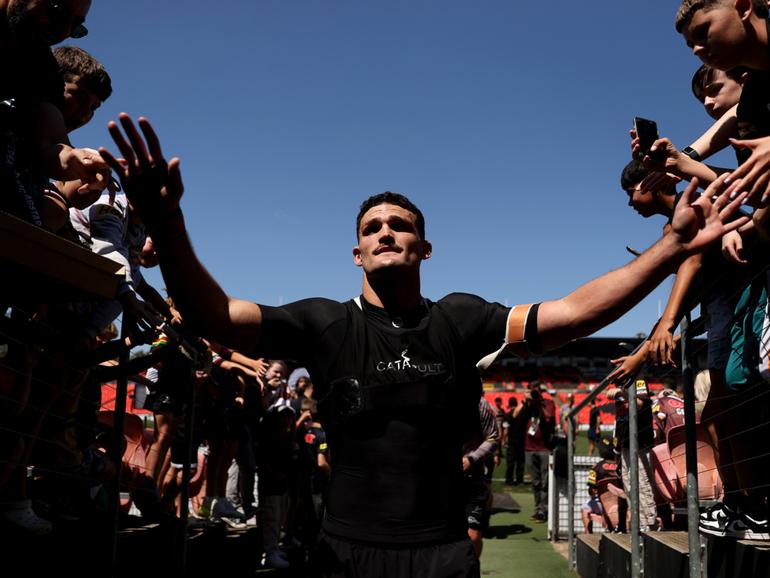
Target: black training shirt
{"x":398,"y":395}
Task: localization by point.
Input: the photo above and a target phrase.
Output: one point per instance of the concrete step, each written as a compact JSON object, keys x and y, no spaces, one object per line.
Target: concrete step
{"x":615,"y":556}
{"x":666,"y":555}
{"x":727,"y":558}
{"x":587,"y":555}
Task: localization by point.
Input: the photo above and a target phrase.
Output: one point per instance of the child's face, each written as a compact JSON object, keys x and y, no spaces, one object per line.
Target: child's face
{"x":641,"y":200}
{"x":716,"y":36}
{"x":721,"y":94}
{"x":79,"y":104}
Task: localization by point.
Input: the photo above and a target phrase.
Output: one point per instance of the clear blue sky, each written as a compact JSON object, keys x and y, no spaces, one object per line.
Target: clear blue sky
{"x":506,"y":122}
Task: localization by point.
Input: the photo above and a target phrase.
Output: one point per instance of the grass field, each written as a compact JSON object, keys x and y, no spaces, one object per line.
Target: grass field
{"x":518,"y":547}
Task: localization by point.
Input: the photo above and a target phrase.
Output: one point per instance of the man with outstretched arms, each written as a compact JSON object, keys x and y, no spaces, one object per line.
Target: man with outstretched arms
{"x":395,"y":373}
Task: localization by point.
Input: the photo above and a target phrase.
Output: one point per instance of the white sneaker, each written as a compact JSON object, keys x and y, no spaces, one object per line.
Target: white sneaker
{"x":235,"y":523}
{"x":276,"y":560}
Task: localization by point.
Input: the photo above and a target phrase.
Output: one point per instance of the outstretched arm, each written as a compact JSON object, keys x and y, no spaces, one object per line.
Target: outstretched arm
{"x":696,"y":224}
{"x":155,"y":189}
{"x":661,"y":349}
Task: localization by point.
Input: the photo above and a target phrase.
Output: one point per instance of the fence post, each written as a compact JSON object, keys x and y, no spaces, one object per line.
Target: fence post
{"x":191,"y":453}
{"x":691,"y":457}
{"x":633,"y":463}
{"x":570,"y":495}
{"x":118,"y":417}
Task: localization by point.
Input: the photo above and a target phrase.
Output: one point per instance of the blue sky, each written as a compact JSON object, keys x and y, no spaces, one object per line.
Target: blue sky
{"x":506,"y":122}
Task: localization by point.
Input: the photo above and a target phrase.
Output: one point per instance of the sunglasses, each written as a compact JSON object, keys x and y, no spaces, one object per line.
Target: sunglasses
{"x":62,"y":14}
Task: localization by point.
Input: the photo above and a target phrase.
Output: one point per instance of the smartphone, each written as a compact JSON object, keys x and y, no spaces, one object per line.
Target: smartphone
{"x":647,"y":131}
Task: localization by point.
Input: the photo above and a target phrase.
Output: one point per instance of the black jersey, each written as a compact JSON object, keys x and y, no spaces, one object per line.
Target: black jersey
{"x":605,"y":471}
{"x":387,"y":388}
{"x":754,"y":110}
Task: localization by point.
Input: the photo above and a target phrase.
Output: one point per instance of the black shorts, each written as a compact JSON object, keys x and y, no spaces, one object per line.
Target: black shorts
{"x":337,"y":558}
{"x":476,"y":494}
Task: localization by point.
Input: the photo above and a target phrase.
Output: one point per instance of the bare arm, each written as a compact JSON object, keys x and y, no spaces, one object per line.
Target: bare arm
{"x":696,"y":224}
{"x":323,"y":464}
{"x":718,"y":135}
{"x":662,"y":341}
{"x":629,"y":365}
{"x":155,"y":189}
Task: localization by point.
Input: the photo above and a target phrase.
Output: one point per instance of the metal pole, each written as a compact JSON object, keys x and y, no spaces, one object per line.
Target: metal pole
{"x":570,"y":495}
{"x":119,"y":414}
{"x":191,"y":453}
{"x":633,"y":471}
{"x":691,"y":457}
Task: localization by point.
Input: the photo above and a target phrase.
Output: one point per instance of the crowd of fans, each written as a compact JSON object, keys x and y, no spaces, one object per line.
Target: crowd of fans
{"x":256,"y":446}
{"x":249,"y":427}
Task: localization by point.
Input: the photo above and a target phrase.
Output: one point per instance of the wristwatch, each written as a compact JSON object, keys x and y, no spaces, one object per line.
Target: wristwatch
{"x":692,"y":153}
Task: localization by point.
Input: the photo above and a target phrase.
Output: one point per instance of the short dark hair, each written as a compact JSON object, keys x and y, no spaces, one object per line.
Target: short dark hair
{"x":689,"y":7}
{"x":75,"y":62}
{"x":633,"y":174}
{"x":389,"y":198}
{"x":705,"y":76}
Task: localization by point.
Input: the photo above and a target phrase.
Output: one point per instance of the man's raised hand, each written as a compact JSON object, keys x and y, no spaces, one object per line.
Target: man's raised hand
{"x":698,"y":222}
{"x":153,"y":186}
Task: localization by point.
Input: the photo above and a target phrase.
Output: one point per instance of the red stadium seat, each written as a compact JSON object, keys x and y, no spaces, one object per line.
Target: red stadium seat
{"x":665,"y":475}
{"x":709,"y":481}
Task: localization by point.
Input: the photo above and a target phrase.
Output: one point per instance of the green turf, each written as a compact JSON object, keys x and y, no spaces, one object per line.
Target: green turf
{"x":518,"y":547}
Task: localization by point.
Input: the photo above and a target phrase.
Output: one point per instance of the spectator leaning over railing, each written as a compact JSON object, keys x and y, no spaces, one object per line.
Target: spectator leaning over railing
{"x":719,"y":281}
{"x":48,"y":409}
{"x":33,"y":144}
{"x":395,"y":499}
{"x":86,"y":86}
{"x":727,"y":35}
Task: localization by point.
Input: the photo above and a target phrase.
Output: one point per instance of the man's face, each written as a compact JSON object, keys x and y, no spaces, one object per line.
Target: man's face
{"x":45,"y":22}
{"x":79,"y":104}
{"x":388,"y":239}
{"x":716,"y":36}
{"x":721,"y":94}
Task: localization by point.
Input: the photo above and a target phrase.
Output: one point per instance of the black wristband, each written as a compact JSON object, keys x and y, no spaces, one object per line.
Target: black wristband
{"x":692,"y":153}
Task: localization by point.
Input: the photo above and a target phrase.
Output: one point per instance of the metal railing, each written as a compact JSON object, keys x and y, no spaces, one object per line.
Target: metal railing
{"x":688,"y":330}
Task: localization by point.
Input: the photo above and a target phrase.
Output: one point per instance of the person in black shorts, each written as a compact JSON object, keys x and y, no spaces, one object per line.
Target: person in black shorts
{"x":392,"y":368}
